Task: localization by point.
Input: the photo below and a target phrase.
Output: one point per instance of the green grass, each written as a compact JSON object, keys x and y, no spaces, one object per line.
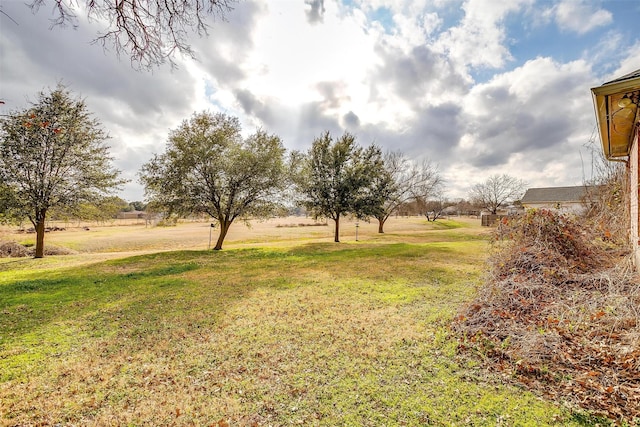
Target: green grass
{"x":325,"y":334}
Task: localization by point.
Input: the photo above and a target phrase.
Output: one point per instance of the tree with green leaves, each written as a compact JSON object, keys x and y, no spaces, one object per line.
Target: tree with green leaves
{"x":401,"y":182}
{"x":496,"y":191}
{"x":103,"y":210}
{"x":53,"y":155}
{"x":8,"y":203}
{"x":338,"y":179}
{"x":136,"y":206}
{"x":208,"y":167}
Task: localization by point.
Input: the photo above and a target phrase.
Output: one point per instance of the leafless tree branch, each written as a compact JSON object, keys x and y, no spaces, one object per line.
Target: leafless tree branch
{"x":150,"y":32}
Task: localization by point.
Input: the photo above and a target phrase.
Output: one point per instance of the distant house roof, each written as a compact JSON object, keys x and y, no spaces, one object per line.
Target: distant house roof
{"x":555,"y":195}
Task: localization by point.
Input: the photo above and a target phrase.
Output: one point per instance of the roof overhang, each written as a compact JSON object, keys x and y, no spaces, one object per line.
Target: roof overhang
{"x":616,"y":105}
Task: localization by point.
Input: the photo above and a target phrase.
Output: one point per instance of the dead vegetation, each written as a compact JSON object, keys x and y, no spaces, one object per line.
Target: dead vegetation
{"x":303,"y":224}
{"x":13,"y":250}
{"x":16,"y":250}
{"x":560,"y":313}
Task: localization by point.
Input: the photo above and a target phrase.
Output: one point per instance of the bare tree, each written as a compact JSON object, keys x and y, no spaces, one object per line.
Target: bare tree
{"x":496,"y":191}
{"x":404,"y":182}
{"x":435,"y":208}
{"x":148,"y":31}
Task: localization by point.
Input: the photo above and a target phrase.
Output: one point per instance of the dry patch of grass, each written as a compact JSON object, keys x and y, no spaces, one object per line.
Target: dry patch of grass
{"x":136,"y":237}
{"x":16,"y":250}
{"x":118,"y":237}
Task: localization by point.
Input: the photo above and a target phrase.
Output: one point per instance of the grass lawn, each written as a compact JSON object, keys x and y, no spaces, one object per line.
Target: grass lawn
{"x":288,"y":331}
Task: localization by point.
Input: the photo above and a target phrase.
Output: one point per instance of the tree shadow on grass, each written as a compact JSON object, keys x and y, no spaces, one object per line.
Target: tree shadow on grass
{"x":43,"y":315}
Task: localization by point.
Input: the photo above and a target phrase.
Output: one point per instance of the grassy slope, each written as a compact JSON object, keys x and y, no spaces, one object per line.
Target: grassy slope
{"x":315,"y":334}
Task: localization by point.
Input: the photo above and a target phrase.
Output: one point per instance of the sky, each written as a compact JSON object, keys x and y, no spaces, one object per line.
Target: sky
{"x":477,"y":87}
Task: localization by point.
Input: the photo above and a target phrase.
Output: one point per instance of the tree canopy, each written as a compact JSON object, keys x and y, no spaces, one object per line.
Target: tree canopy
{"x":105,"y":209}
{"x":149,"y":31}
{"x":339,"y":178}
{"x":53,"y":155}
{"x":208,"y":167}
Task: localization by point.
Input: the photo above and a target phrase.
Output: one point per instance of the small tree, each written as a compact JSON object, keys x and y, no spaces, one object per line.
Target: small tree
{"x":401,"y":182}
{"x":496,"y":191}
{"x":208,"y":168}
{"x":53,"y":155}
{"x":435,"y":208}
{"x":338,"y":179}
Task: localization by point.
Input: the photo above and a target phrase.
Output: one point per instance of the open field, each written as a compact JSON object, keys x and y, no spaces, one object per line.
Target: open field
{"x":144,"y":326}
{"x":130,"y":235}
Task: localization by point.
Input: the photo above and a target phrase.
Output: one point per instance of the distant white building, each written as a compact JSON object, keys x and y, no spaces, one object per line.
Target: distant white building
{"x":563,"y":199}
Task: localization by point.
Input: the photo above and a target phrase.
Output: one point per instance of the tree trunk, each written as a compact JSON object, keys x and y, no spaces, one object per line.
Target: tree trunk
{"x":41,"y":215}
{"x":224,"y":228}
{"x":381,"y":225}
{"x":336,"y":237}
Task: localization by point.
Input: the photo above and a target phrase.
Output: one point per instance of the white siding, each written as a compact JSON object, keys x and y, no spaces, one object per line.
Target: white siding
{"x":564,"y":207}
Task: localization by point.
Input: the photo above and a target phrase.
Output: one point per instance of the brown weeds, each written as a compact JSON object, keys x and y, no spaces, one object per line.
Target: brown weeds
{"x":13,"y":250}
{"x":559,"y":312}
{"x":16,"y":250}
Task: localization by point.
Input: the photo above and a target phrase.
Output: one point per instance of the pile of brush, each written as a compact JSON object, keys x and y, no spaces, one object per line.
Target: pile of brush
{"x":559,"y":311}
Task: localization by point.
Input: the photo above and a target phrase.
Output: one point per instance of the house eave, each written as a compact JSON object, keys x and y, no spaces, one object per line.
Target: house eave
{"x":616,"y":123}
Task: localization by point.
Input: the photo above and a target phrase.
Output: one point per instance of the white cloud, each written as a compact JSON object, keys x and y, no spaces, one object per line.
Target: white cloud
{"x":403,"y":82}
{"x":579,"y":16}
{"x":291,"y":58}
{"x":628,"y":64}
{"x":529,"y":121}
{"x":479,"y":40}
